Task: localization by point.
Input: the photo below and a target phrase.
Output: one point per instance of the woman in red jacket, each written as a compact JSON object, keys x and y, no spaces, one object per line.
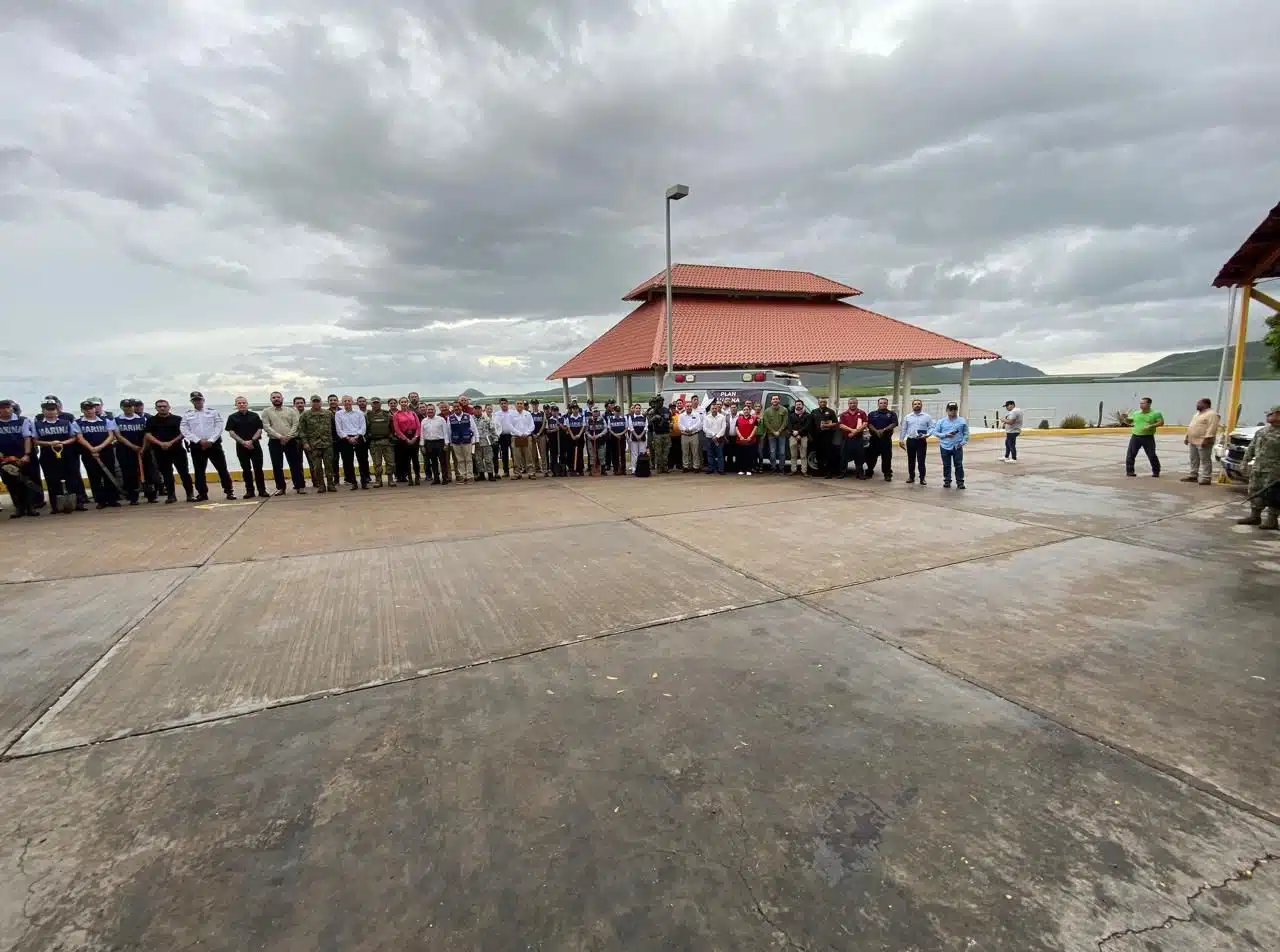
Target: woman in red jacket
{"x":405,"y":428}
{"x":748,"y":428}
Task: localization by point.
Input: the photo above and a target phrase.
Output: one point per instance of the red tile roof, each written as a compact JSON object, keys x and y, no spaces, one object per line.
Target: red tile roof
{"x":765,"y":281}
{"x":772,"y":332}
{"x":1257,"y":258}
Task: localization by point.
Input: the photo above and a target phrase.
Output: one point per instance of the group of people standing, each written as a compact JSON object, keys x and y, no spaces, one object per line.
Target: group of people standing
{"x":136,"y":454}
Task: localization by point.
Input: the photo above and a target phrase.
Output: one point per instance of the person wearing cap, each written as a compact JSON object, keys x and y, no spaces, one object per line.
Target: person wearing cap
{"x":245,"y":427}
{"x":62,"y":414}
{"x":637,"y":436}
{"x":350,"y":424}
{"x":1262,"y":460}
{"x":96,"y":437}
{"x":280,"y":423}
{"x":136,"y":470}
{"x":616,"y":451}
{"x":952,"y":432}
{"x":164,"y":434}
{"x":17,"y":436}
{"x":573,"y":439}
{"x":538,"y":439}
{"x":916,"y":427}
{"x":377,"y":430}
{"x":595,"y":438}
{"x":1011,"y":422}
{"x":202,"y":429}
{"x":659,"y":420}
{"x":555,"y":430}
{"x":32,"y":469}
{"x":315,"y":430}
{"x":56,"y":435}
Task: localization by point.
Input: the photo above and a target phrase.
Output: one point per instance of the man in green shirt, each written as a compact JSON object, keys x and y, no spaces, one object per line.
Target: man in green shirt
{"x":774,"y":424}
{"x":1143,"y":437}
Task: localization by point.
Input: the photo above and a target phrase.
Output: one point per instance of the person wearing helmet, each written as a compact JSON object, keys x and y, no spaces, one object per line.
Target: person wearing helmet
{"x":16,"y":438}
{"x":132,"y":452}
{"x":659,"y":434}
{"x":97,"y":438}
{"x":55,"y":436}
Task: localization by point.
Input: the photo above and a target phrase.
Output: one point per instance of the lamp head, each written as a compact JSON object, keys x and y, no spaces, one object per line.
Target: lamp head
{"x":677,"y":192}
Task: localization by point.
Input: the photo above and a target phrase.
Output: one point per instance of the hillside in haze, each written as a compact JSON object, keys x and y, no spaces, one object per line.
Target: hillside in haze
{"x":1206,"y":363}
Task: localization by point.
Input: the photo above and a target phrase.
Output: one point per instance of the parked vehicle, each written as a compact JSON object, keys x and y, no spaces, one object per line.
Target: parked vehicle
{"x":1231,"y":456}
{"x":758,"y":386}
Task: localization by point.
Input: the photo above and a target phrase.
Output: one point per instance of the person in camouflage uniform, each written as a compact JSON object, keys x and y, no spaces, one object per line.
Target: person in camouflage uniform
{"x":1264,"y":477}
{"x":659,"y":435}
{"x":378,"y":432}
{"x":486,"y":440}
{"x":315,"y":431}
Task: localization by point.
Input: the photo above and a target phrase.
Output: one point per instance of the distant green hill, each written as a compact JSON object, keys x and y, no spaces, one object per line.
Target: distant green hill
{"x":1206,"y":363}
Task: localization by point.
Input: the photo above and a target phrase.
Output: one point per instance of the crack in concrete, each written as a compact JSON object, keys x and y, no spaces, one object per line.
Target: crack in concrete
{"x":740,"y":870}
{"x":1240,"y":875}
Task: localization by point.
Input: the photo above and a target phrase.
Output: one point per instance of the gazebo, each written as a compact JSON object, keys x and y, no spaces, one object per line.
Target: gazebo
{"x":761,"y":318}
{"x":1256,"y":260}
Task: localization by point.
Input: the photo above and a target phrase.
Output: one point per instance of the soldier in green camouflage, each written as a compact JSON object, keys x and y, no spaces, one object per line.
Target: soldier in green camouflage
{"x":659,"y":418}
{"x":1264,"y":477}
{"x":377,"y":431}
{"x":315,"y":431}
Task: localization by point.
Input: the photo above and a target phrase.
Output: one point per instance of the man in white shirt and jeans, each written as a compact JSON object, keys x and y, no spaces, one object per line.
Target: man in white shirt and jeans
{"x":202,"y":429}
{"x":351,"y":425}
{"x":523,"y":459}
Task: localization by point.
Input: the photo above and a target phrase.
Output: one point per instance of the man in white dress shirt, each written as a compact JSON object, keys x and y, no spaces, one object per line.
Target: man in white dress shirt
{"x":503,"y":419}
{"x":350,"y":424}
{"x":519,"y":424}
{"x":691,"y":436}
{"x":202,"y":429}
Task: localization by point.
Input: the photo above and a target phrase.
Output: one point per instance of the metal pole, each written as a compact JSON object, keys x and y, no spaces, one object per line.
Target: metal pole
{"x":670,"y":364}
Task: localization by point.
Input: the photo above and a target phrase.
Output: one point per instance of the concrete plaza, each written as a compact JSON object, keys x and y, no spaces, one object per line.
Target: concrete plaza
{"x":682,"y":713}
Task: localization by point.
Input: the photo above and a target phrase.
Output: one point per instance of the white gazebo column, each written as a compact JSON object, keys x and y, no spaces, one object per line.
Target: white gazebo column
{"x":617,"y":388}
{"x":833,"y":386}
{"x":964,"y":388}
{"x":906,"y":388}
{"x":564,"y":390}
{"x":657,"y":381}
{"x":898,"y":405}
{"x":591,"y":390}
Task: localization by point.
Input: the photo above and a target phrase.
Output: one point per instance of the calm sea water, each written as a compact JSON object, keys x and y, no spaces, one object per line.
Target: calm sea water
{"x":1053,"y":401}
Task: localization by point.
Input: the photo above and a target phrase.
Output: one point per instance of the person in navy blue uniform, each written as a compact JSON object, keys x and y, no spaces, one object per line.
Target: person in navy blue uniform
{"x":132,"y":453}
{"x":575,"y":425}
{"x":97,"y":436}
{"x":16,"y":438}
{"x":881,"y":422}
{"x":637,"y":434}
{"x":616,"y":456}
{"x":59,"y":458}
{"x":32,"y":469}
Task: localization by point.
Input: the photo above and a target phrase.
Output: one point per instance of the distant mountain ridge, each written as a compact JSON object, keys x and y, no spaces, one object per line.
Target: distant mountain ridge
{"x":1207,"y":363}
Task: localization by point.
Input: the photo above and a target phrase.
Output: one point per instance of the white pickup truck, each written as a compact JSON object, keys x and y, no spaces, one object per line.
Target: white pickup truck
{"x":1231,"y":455}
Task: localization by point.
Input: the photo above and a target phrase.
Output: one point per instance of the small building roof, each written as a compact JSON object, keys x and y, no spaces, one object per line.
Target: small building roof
{"x":773,"y":282}
{"x":1257,"y":258}
{"x":722,"y":331}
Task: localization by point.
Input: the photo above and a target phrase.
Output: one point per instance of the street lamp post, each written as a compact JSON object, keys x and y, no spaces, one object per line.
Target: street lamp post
{"x":674,"y":194}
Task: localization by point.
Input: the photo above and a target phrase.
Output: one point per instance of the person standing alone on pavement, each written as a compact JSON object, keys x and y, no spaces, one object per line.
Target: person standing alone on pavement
{"x":202,"y":429}
{"x":1146,"y":422}
{"x":1201,"y":432}
{"x":916,"y":426}
{"x":1011,"y":421}
{"x":245,"y":427}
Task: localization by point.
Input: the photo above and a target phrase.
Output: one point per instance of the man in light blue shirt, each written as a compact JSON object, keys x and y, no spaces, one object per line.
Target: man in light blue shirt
{"x":952,"y":432}
{"x":916,"y":427}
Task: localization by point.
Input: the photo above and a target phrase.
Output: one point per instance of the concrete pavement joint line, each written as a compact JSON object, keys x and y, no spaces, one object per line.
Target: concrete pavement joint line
{"x":119,"y":638}
{"x":1168,"y":921}
{"x":249,"y":711}
{"x":1169,"y":770}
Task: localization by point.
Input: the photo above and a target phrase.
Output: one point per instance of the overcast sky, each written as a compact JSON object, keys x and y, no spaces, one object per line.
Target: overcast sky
{"x":313,"y":195}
